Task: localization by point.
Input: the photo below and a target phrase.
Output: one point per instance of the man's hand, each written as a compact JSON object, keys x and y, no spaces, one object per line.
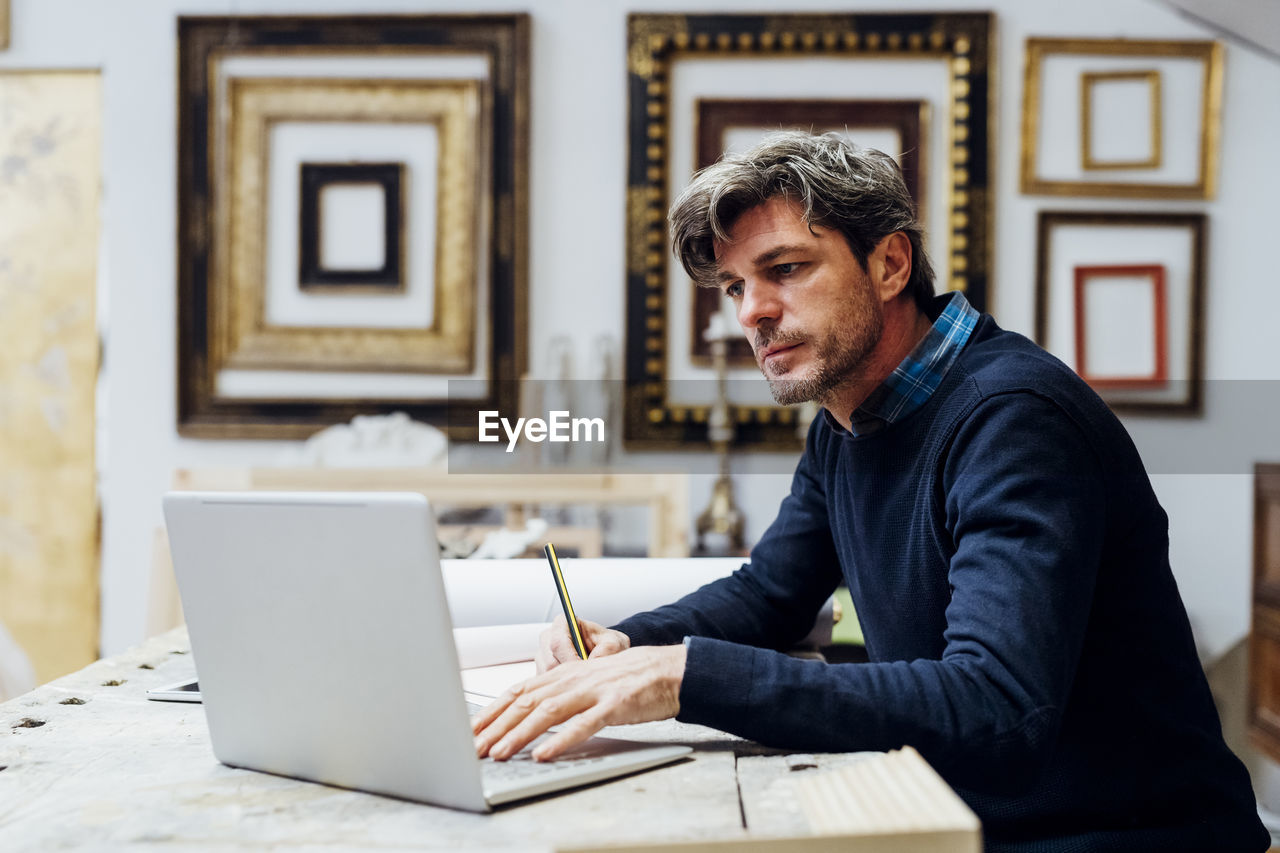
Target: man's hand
{"x":633,"y":686}
{"x":555,"y":646}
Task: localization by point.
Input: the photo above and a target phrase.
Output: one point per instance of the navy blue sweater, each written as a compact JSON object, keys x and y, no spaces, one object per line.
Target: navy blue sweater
{"x":1009,"y":564}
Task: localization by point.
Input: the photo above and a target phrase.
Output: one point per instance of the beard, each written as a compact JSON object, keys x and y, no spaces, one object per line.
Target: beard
{"x":838,"y":354}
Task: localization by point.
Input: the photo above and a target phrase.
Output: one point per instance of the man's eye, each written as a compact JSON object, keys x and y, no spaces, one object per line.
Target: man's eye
{"x":787,"y":268}
{"x":734,"y":290}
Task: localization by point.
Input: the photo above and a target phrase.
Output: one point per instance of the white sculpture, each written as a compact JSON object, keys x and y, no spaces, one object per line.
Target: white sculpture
{"x":506,"y":544}
{"x":374,"y":441}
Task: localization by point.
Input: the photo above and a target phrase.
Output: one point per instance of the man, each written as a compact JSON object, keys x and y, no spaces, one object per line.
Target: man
{"x":991,"y":517}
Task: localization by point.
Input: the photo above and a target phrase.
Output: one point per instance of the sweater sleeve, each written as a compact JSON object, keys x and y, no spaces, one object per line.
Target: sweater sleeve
{"x":772,"y":601}
{"x":1021,"y":505}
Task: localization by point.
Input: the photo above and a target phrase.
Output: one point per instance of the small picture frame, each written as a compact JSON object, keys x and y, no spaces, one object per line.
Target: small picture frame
{"x":1120,"y":299}
{"x":351,"y":227}
{"x":1123,"y":118}
{"x":1129,"y":354}
{"x":1110,"y":97}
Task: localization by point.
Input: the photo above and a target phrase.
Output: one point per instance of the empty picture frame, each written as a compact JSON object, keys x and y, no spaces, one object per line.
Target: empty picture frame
{"x":1120,"y":299}
{"x":735,"y":124}
{"x":1121,"y":118}
{"x":351,"y":225}
{"x":444,"y":101}
{"x":271,"y":321}
{"x":676,"y":61}
{"x":1120,"y":325}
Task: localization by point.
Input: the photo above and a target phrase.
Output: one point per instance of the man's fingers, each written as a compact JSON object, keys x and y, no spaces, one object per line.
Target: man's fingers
{"x":555,"y":646}
{"x":607,"y":645}
{"x":543,"y":661}
{"x":550,"y":711}
{"x":583,"y":726}
{"x":604,"y":641}
{"x":490,"y":712}
{"x":515,"y":704}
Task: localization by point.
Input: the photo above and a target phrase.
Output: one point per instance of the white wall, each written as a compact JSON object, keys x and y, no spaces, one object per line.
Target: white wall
{"x":577,"y":252}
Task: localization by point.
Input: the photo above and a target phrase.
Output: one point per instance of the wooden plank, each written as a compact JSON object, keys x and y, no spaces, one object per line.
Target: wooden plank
{"x":770,"y":801}
{"x":665,"y":495}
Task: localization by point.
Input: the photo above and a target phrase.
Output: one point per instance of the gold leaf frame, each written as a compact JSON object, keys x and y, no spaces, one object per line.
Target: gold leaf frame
{"x":1202,"y":186}
{"x":242,"y":337}
{"x":1089,"y":80}
{"x":206,"y":45}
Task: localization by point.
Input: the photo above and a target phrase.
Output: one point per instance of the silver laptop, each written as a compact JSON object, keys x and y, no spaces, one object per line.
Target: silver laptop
{"x":324,"y":649}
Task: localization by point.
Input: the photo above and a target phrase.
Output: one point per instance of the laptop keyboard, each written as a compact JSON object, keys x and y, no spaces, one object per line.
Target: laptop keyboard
{"x":522,"y":766}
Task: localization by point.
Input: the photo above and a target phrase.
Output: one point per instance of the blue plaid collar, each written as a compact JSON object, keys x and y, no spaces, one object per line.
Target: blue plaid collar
{"x":920,"y":373}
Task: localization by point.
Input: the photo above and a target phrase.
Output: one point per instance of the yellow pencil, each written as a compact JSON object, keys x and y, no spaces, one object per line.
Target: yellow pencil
{"x":575,"y":631}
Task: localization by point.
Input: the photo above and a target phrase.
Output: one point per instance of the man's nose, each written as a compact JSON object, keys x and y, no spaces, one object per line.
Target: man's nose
{"x":759,"y":304}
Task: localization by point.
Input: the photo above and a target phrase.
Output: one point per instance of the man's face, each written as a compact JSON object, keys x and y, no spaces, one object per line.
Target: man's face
{"x":806,"y":305}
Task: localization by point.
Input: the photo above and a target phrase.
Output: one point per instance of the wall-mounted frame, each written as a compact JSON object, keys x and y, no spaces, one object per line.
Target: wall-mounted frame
{"x":1122,"y":118}
{"x":1120,"y":299}
{"x":442,"y":101}
{"x":1129,"y":354}
{"x":351,"y":226}
{"x":266,"y":319}
{"x":1109,"y":96}
{"x":4,"y":24}
{"x":734,"y":124}
{"x":1264,"y":636}
{"x":942,"y":61}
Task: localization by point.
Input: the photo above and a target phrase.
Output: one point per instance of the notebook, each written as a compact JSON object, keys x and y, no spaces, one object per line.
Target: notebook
{"x":324,"y":649}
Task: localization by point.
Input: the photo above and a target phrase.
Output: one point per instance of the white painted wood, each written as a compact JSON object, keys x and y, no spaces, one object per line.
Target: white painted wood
{"x":120,"y":770}
{"x":88,"y":761}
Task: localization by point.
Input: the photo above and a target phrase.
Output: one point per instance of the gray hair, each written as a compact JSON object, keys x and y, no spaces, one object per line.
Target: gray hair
{"x":856,"y":191}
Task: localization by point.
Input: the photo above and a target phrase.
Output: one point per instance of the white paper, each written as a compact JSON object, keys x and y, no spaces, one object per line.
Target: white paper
{"x":488,"y":681}
{"x":512,"y":592}
{"x":520,"y":596}
{"x":488,"y":645}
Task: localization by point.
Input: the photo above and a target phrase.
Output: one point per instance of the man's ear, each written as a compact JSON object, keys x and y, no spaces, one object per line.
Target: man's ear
{"x":891,"y":265}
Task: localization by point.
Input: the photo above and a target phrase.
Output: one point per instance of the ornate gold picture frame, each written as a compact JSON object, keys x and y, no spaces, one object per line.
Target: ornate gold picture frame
{"x":244,"y":335}
{"x":1091,"y":82}
{"x":943,"y":60}
{"x":442,"y":100}
{"x":1121,"y":117}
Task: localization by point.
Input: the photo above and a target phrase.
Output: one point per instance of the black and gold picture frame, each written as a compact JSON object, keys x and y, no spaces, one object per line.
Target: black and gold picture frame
{"x":352,"y":220}
{"x":351,"y":225}
{"x":942,"y":63}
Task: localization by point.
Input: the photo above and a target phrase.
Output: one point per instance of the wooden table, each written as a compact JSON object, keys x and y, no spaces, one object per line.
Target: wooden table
{"x":87,"y":761}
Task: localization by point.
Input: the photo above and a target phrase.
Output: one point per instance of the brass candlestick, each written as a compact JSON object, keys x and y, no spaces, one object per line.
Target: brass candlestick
{"x":722,"y":516}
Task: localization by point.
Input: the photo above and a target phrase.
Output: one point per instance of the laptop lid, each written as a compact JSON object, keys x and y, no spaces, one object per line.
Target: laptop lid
{"x":321,"y":635}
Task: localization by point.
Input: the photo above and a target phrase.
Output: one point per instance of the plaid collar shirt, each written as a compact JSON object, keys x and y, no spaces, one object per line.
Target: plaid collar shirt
{"x":920,"y":373}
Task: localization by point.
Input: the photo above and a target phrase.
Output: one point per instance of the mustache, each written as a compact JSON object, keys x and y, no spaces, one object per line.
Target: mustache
{"x":766,"y":338}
